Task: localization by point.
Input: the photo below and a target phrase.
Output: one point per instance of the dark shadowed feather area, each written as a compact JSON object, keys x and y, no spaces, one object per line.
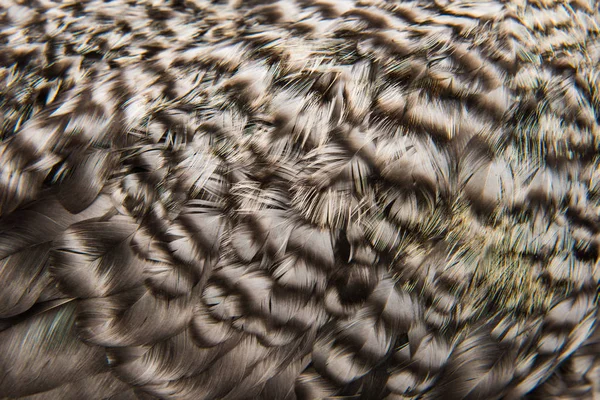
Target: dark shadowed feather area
{"x":299,"y":199}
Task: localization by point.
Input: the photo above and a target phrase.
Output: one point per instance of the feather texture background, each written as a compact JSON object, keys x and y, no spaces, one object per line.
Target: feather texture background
{"x":299,"y":199}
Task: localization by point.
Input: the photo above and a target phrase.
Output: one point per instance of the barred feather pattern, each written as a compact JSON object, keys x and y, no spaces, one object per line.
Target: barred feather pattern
{"x":299,"y":199}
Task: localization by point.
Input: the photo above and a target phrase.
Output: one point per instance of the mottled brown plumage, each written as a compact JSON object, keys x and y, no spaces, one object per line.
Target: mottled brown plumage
{"x":299,"y":199}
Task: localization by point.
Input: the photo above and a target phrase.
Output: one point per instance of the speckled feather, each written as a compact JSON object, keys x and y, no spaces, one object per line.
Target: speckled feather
{"x":299,"y":199}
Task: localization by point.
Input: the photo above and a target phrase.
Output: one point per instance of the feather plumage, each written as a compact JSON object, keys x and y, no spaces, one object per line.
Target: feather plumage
{"x":299,"y":199}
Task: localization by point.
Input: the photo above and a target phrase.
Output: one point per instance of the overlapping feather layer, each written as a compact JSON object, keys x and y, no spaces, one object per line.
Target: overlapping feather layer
{"x":299,"y":199}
